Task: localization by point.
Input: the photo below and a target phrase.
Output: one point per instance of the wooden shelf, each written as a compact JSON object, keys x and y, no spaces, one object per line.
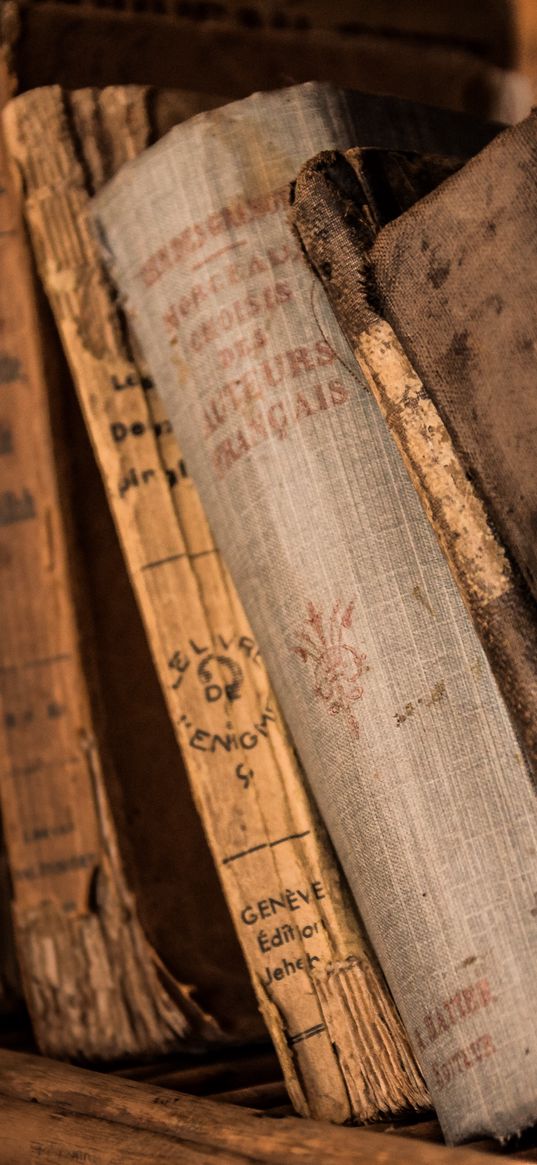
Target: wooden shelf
{"x":228,"y":1105}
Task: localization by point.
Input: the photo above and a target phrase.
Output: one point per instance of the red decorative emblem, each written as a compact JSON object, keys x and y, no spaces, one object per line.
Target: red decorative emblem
{"x":338,"y":667}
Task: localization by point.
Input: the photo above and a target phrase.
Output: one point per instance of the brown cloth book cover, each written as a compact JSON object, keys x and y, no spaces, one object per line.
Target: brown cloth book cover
{"x":452,"y":425}
{"x":457,"y":279}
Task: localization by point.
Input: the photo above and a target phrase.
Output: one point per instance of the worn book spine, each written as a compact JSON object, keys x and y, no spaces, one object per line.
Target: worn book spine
{"x":337,"y":218}
{"x":339,"y":1038}
{"x":239,"y":59}
{"x":9,"y":972}
{"x":486,"y":30}
{"x":94,"y":986}
{"x":10,"y":990}
{"x":389,"y":696}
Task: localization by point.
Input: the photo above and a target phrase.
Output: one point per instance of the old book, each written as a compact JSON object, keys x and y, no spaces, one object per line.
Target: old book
{"x":476,"y":351}
{"x":10,"y":991}
{"x":95,"y":985}
{"x":95,"y":44}
{"x":487,"y":29}
{"x":524,"y":38}
{"x":178,"y":896}
{"x":339,"y":1038}
{"x":340,"y":204}
{"x":395,"y":713}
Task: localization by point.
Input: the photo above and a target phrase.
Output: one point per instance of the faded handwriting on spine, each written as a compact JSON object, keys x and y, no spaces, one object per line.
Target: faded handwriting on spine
{"x":10,"y":369}
{"x":15,"y":508}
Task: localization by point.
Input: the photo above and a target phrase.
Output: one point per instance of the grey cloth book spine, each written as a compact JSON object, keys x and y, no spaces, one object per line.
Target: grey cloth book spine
{"x":396,"y":715}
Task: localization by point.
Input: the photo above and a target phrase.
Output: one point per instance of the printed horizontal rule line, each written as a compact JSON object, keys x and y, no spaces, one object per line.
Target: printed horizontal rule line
{"x":176,"y":557}
{"x":216,"y":254}
{"x":34,"y":767}
{"x":46,"y":662}
{"x":243,"y":853}
{"x":306,"y":1034}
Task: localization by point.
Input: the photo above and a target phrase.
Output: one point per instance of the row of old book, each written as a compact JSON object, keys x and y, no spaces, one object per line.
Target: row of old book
{"x":477,"y":58}
{"x":316,"y":308}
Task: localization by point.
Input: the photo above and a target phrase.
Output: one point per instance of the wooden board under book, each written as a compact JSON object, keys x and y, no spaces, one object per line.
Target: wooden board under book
{"x":48,"y":1104}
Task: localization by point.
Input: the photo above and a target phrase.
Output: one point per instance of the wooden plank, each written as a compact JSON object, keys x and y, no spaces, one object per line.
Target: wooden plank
{"x":224,"y":1074}
{"x":60,"y":1090}
{"x":244,"y":1064}
{"x":31,"y":1134}
{"x":263,"y":1096}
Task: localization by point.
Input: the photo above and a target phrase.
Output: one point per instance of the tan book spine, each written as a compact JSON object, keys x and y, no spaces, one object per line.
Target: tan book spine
{"x":10,"y":992}
{"x":92,"y":982}
{"x":338,"y":1036}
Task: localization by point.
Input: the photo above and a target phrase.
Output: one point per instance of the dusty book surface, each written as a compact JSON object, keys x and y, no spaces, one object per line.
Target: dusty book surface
{"x":476,"y":351}
{"x":339,"y":206}
{"x":339,"y":1038}
{"x":386,"y":688}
